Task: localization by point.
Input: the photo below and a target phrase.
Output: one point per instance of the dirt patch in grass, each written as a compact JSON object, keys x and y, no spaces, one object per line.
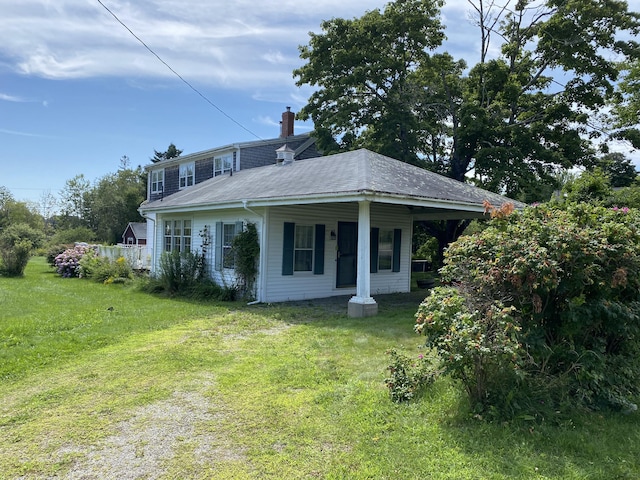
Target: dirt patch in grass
{"x":147,"y":441}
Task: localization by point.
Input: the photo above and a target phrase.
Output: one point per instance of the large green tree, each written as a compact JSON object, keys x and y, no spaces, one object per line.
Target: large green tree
{"x":105,"y":206}
{"x":627,"y":105}
{"x":13,"y":212}
{"x":618,"y":168}
{"x":510,"y":121}
{"x":365,"y":71}
{"x":75,"y":202}
{"x":115,"y":201}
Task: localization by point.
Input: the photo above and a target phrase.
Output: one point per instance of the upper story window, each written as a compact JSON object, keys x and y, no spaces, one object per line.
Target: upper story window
{"x":222,"y":164}
{"x":157,"y":181}
{"x":187,"y":174}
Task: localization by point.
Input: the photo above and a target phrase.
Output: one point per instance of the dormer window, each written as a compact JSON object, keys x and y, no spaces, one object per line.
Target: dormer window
{"x":187,"y":174}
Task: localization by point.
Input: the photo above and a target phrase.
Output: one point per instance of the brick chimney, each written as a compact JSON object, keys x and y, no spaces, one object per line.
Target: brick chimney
{"x":286,"y":125}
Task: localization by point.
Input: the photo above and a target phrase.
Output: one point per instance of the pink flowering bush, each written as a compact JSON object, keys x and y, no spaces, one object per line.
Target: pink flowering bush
{"x":67,"y":264}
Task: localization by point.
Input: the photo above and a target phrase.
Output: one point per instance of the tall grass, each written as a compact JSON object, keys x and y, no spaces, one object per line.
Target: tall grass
{"x":267,"y":391}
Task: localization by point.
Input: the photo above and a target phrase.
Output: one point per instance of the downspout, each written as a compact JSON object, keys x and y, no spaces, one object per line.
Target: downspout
{"x":261,"y":263}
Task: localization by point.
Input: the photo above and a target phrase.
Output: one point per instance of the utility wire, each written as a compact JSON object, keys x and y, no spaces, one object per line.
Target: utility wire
{"x":176,"y":73}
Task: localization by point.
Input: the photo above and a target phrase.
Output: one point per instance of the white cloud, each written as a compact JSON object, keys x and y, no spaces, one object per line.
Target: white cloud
{"x":23,"y":134}
{"x":239,"y":44}
{"x":11,"y":98}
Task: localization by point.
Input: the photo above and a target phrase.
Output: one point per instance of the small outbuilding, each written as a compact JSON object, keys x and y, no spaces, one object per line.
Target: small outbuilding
{"x":135,"y":234}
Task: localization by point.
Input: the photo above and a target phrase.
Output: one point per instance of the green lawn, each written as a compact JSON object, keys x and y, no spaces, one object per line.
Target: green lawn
{"x":107,"y":382}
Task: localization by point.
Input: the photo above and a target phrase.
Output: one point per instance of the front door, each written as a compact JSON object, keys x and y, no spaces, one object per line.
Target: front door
{"x":347,"y":254}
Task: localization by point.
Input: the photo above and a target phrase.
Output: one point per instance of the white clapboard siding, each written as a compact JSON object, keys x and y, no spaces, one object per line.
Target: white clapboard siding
{"x":306,"y":285}
{"x":392,"y":216}
{"x":271,"y":284}
{"x":209,"y":220}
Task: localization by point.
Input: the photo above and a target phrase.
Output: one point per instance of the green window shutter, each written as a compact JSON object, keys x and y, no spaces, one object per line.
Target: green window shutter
{"x":287,"y":248}
{"x":218,"y":246}
{"x":373,"y":248}
{"x":318,"y":253}
{"x":397,"y":239}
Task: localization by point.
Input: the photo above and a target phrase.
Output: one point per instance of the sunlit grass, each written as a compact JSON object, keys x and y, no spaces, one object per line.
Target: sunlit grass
{"x":274,"y":392}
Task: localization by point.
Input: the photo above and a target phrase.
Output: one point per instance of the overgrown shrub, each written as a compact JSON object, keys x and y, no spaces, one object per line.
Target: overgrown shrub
{"x":180,"y":271}
{"x":183,"y":274}
{"x":477,"y":337}
{"x":54,"y":250}
{"x":544,"y":297}
{"x":16,"y":244}
{"x":407,"y":376}
{"x":246,"y":249}
{"x":67,"y":264}
{"x":103,"y":269}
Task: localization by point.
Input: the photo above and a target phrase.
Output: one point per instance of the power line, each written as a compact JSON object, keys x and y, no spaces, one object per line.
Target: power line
{"x":176,"y":73}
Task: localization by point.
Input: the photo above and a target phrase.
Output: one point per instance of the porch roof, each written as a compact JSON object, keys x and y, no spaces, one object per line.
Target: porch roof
{"x":343,"y":177}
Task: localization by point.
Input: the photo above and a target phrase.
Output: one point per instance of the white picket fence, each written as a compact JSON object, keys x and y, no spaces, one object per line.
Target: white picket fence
{"x":138,"y":257}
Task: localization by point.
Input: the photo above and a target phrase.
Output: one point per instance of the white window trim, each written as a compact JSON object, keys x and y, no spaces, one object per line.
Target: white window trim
{"x":159,"y":182}
{"x":173,"y":237}
{"x":222,"y":247}
{"x":223,"y":162}
{"x":306,"y":249}
{"x":187,"y":175}
{"x":227,"y":246}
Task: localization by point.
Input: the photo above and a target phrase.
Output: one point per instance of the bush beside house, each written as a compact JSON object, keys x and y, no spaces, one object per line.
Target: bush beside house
{"x":543,"y":311}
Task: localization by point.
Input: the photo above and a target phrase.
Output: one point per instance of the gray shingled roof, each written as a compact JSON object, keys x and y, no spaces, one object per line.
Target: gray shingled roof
{"x":139,"y":229}
{"x":339,"y":177}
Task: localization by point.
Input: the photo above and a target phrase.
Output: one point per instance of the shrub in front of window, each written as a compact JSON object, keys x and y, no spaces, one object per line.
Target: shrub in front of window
{"x":184,"y":274}
{"x":246,"y":249}
{"x":180,"y":271}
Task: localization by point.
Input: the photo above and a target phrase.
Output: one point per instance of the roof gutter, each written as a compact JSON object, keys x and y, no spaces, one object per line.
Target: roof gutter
{"x":329,"y":198}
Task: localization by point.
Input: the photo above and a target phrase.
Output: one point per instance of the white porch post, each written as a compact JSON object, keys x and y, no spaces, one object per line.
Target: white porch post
{"x":362,"y":304}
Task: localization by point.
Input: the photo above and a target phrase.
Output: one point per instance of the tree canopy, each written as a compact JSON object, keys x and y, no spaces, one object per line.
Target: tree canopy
{"x":105,"y":207}
{"x":627,"y":106}
{"x":171,"y":152}
{"x":527,"y":108}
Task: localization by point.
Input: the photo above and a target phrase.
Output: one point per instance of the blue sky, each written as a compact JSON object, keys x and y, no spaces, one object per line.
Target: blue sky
{"x":78,"y":91}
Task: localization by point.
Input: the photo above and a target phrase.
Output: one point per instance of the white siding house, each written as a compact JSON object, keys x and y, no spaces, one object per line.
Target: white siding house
{"x":327,"y":226}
